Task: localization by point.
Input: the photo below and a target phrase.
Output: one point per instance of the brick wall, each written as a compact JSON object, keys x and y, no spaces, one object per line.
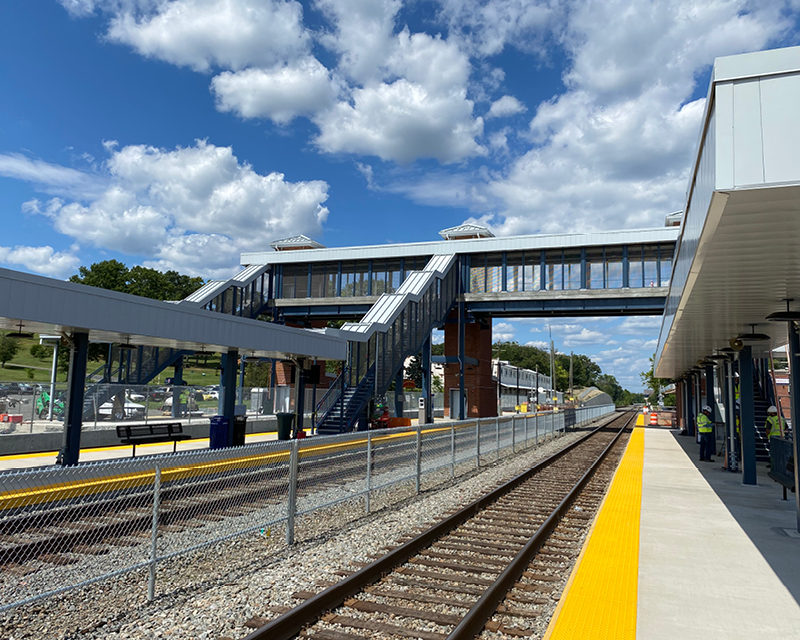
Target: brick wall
{"x":480,"y":389}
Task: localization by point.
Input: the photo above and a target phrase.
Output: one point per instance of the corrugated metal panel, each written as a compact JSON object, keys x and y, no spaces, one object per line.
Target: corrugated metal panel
{"x":202,"y":292}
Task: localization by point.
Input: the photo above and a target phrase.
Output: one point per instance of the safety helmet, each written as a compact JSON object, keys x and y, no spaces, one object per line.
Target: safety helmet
{"x":706,"y":408}
{"x":772,"y":409}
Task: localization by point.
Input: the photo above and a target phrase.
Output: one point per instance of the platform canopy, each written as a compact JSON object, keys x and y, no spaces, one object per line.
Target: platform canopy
{"x":42,"y":305}
{"x":738,"y":254}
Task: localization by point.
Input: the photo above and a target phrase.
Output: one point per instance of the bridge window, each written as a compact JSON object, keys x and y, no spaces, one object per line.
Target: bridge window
{"x":394,"y":275}
{"x":288,"y":281}
{"x":494,"y":273}
{"x":378,"y":277}
{"x":331,"y":275}
{"x":554,"y":270}
{"x":635,"y":266}
{"x":613,"y":267}
{"x":665,"y":266}
{"x":650,"y":252}
{"x":318,"y":281}
{"x":514,"y":273}
{"x":533,"y":271}
{"x":595,"y":271}
{"x":477,"y":273}
{"x":572,"y":269}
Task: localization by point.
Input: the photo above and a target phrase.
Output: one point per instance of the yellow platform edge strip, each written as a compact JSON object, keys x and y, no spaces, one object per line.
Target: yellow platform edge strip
{"x":600,"y":599}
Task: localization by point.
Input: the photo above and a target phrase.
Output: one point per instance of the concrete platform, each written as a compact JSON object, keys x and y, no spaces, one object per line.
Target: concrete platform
{"x":716,"y":559}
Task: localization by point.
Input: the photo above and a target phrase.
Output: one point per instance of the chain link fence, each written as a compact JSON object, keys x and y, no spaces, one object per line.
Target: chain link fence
{"x":65,"y":528}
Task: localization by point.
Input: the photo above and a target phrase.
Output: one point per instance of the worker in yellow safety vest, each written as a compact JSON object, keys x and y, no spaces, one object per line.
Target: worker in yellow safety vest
{"x":775,"y":425}
{"x":705,"y":427}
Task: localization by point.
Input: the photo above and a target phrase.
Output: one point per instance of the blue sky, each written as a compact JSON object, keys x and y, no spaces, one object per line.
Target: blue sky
{"x":178,"y":133}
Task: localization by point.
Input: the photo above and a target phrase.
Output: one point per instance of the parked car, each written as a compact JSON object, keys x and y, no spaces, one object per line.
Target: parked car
{"x":210,"y":395}
{"x":130,"y":411}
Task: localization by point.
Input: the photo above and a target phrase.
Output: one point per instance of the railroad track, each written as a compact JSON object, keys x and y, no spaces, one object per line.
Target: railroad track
{"x":94,"y":528}
{"x":491,"y":565}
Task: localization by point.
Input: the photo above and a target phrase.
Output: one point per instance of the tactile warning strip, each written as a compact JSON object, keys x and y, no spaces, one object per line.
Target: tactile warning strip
{"x":600,"y":599}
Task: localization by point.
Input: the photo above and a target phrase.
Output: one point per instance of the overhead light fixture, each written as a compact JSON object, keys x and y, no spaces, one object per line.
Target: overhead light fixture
{"x":718,"y":356}
{"x":19,"y":333}
{"x":785,"y":316}
{"x":753,"y":336}
{"x":127,"y":346}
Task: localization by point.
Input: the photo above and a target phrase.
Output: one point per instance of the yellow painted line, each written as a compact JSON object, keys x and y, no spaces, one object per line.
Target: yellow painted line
{"x":640,"y":420}
{"x":600,"y":599}
{"x":68,"y":490}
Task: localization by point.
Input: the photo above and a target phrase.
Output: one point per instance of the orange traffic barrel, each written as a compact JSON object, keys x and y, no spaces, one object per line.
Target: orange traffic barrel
{"x":654,"y":419}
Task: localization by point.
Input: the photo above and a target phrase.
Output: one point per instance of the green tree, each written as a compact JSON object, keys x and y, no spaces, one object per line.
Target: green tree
{"x":257,"y":374}
{"x":138,"y":281}
{"x":8,"y":349}
{"x":650,"y":381}
{"x":109,"y":274}
{"x":414,"y":371}
{"x":41,"y":351}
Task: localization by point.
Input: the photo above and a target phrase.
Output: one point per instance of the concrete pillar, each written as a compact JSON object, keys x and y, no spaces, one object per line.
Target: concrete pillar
{"x":794,"y":372}
{"x":71,"y":448}
{"x":748,"y":417}
{"x":300,"y":398}
{"x":690,"y":426}
{"x":227,"y":388}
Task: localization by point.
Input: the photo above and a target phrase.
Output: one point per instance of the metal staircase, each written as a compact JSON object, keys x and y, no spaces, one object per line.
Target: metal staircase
{"x":396,"y":327}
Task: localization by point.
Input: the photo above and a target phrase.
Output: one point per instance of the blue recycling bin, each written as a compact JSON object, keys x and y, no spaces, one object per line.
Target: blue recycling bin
{"x":218,"y":435}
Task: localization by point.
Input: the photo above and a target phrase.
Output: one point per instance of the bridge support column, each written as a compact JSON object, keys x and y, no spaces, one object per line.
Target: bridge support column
{"x":227,"y":388}
{"x":425,"y":361}
{"x":300,"y":397}
{"x":473,"y":365}
{"x":690,"y":426}
{"x":398,"y":394}
{"x":748,"y":417}
{"x":71,"y":449}
{"x":177,"y":381}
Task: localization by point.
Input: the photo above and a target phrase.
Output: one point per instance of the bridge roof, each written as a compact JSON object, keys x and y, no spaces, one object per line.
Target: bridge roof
{"x":473,"y":245}
{"x":43,"y":305}
{"x":738,"y":255}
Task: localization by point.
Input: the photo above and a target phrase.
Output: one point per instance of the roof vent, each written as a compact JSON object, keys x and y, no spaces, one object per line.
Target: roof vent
{"x":295,"y":243}
{"x":466,"y":232}
{"x":673,"y":219}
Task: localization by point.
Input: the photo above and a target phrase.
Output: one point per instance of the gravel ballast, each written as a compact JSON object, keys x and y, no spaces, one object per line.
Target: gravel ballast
{"x":213,"y":593}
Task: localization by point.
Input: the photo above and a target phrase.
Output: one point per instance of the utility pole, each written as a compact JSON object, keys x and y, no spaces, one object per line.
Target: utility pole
{"x":553,"y":393}
{"x":570,"y":374}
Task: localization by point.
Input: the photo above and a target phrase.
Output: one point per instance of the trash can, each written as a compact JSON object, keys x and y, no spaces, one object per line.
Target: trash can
{"x":285,"y":424}
{"x":239,"y":429}
{"x":218,"y":435}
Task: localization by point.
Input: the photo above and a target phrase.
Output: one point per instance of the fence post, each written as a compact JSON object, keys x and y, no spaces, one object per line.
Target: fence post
{"x":452,"y":449}
{"x":513,"y":435}
{"x":151,"y":583}
{"x":478,"y":443}
{"x":525,"y":427}
{"x":419,"y":456}
{"x":369,"y":467}
{"x":292,"y":503}
{"x":497,"y":436}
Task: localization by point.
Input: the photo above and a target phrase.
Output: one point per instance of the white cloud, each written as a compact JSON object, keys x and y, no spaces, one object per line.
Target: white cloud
{"x":505,"y":106}
{"x":638,"y":325}
{"x":233,"y":34}
{"x":539,"y":344}
{"x":194,"y":208}
{"x":52,"y":178}
{"x":280,"y":93}
{"x":402,"y":122}
{"x":585,"y":337}
{"x":44,"y":260}
{"x":503,"y":332}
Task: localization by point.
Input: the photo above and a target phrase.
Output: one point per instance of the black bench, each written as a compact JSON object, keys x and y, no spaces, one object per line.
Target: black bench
{"x":134,"y":434}
{"x":781,"y":458}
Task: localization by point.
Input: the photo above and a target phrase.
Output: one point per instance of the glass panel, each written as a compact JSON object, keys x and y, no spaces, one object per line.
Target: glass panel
{"x":572,"y":269}
{"x":651,"y":265}
{"x":331,"y":272}
{"x":287,"y":282}
{"x":361,"y":278}
{"x":665,"y":266}
{"x":494,"y":273}
{"x":635,"y":271}
{"x":553,"y":271}
{"x":514,"y":273}
{"x":378,"y":277}
{"x":477,"y":273}
{"x":533,"y":271}
{"x":594,"y":268}
{"x":348,"y":279}
{"x":301,"y":281}
{"x":393,"y":280}
{"x":317,"y":280}
{"x":614,"y":267}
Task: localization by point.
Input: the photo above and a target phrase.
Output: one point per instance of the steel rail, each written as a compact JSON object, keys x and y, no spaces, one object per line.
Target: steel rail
{"x":475,"y":620}
{"x":290,"y":624}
